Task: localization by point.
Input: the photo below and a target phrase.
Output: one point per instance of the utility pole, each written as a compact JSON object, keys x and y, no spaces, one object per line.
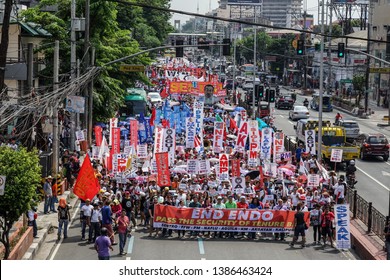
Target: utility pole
{"x":73,"y":68}
{"x":303,"y":37}
{"x":367,"y":82}
{"x":330,"y":48}
{"x":234,"y":63}
{"x":254,"y":66}
{"x":30,"y":66}
{"x":55,"y":109}
{"x":321,"y":93}
{"x":90,"y":102}
{"x":87,"y":94}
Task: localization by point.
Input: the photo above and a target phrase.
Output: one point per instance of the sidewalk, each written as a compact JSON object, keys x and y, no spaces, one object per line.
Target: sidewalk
{"x":43,"y":246}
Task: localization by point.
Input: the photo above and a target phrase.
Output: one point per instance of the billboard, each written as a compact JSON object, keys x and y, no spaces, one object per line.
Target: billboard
{"x":244,"y":2}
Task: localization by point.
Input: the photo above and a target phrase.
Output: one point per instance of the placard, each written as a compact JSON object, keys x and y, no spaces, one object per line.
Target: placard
{"x":336,"y":155}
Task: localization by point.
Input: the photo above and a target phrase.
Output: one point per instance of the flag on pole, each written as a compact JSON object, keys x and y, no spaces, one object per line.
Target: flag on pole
{"x":87,"y":185}
{"x":302,"y":168}
{"x":153,"y":117}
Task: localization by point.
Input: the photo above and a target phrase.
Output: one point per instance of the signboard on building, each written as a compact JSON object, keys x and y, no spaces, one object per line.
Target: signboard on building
{"x":131,"y":68}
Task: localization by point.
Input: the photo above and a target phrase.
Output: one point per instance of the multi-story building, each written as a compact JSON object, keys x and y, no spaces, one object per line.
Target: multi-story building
{"x":284,"y":13}
{"x":379,"y":30}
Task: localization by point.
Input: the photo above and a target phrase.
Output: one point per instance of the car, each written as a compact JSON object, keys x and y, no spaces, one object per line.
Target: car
{"x":373,"y":145}
{"x":284,"y":101}
{"x":154,"y":97}
{"x":298,"y":112}
{"x":351,"y":127}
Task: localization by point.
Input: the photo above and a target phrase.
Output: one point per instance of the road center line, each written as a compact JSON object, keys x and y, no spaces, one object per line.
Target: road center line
{"x":372,"y":178}
{"x":291,"y":122}
{"x":201,"y":246}
{"x":130,"y":245}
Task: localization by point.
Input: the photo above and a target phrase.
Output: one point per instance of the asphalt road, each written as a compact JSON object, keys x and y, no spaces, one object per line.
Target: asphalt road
{"x":142,"y":247}
{"x":373,"y":175}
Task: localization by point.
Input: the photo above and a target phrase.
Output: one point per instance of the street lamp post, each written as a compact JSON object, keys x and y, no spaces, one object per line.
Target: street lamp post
{"x":254,"y":67}
{"x":319,"y":149}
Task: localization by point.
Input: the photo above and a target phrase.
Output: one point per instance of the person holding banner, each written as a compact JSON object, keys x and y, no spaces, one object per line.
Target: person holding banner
{"x":219,"y":205}
{"x":281,"y":207}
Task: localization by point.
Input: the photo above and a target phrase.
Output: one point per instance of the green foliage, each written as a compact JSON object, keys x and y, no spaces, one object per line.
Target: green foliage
{"x":116,"y":31}
{"x":22,"y":171}
{"x":359,"y":82}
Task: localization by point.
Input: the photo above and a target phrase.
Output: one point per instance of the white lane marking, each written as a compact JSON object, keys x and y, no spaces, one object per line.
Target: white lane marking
{"x":387,"y":163}
{"x":59,"y":243}
{"x":128,"y":258}
{"x":372,"y":178}
{"x":203,"y":259}
{"x":281,"y":116}
{"x":291,"y":122}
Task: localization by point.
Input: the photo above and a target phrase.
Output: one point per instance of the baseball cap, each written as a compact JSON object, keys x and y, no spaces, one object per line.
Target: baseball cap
{"x":219,"y":197}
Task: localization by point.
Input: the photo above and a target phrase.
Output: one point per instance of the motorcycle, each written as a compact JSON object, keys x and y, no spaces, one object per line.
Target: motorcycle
{"x":306,"y":103}
{"x":351,"y":180}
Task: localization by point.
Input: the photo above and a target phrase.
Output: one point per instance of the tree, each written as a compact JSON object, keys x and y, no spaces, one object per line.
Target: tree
{"x":112,"y":30}
{"x":22,"y":171}
{"x":359,"y":81}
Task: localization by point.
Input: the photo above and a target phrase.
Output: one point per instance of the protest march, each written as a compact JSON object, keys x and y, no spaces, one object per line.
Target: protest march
{"x":197,"y":165}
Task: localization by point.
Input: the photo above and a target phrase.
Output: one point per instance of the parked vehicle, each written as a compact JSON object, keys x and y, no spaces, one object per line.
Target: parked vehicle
{"x":264,"y":110}
{"x":284,"y":101}
{"x":351,"y":127}
{"x":373,"y":145}
{"x":299,"y":112}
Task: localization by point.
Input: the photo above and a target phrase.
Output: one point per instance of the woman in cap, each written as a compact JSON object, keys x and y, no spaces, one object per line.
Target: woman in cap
{"x":63,"y":218}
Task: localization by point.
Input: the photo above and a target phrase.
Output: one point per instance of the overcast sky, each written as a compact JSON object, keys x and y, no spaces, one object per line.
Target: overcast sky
{"x":191,"y":6}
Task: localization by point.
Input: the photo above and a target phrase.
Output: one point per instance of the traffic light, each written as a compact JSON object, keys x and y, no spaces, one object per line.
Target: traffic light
{"x":226,"y":47}
{"x":267,"y":94}
{"x":340,"y":49}
{"x":271,"y":96}
{"x":301,"y":47}
{"x":179,"y":50}
{"x":259,"y":91}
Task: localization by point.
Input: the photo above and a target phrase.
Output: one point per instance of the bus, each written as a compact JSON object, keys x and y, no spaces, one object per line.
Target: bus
{"x":135,"y":103}
{"x":326,"y":103}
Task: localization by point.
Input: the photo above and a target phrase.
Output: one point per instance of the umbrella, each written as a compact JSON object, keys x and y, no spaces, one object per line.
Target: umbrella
{"x":253,"y":174}
{"x":289,"y":166}
{"x":179,"y":170}
{"x":102,"y":125}
{"x":218,"y":111}
{"x":231,"y":136}
{"x":214,"y":159}
{"x":287,"y":171}
{"x":239,"y":109}
{"x":123,"y":123}
{"x":286,"y":182}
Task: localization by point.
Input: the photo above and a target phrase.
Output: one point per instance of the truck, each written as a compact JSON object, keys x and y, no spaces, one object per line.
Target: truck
{"x":333,"y":137}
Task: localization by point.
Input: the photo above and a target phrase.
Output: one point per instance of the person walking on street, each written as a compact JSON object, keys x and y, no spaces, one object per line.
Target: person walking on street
{"x":63,"y":218}
{"x":327,"y":218}
{"x":299,"y":226}
{"x":103,"y":245}
{"x":96,"y":218}
{"x":107,"y":220}
{"x":123,"y":223}
{"x":54,"y":199}
{"x":86,"y":220}
{"x":48,"y":194}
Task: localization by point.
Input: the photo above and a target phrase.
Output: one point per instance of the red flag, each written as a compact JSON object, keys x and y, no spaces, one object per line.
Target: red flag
{"x":233,"y":124}
{"x":116,"y":140}
{"x":163,"y":93}
{"x":87,"y":185}
{"x":236,"y":170}
{"x":153,"y":74}
{"x":165,"y":123}
{"x":222,"y":101}
{"x":153,"y":117}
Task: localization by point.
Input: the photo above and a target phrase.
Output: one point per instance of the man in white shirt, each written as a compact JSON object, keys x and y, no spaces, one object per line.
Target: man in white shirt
{"x":96,"y":218}
{"x":86,"y":219}
{"x":339,"y":190}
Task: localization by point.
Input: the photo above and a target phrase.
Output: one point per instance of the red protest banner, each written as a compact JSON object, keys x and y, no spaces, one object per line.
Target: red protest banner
{"x":116,"y":140}
{"x":236,"y":172}
{"x":164,"y":174}
{"x":134,"y":133}
{"x":87,"y":185}
{"x":98,"y":135}
{"x":224,"y":219}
